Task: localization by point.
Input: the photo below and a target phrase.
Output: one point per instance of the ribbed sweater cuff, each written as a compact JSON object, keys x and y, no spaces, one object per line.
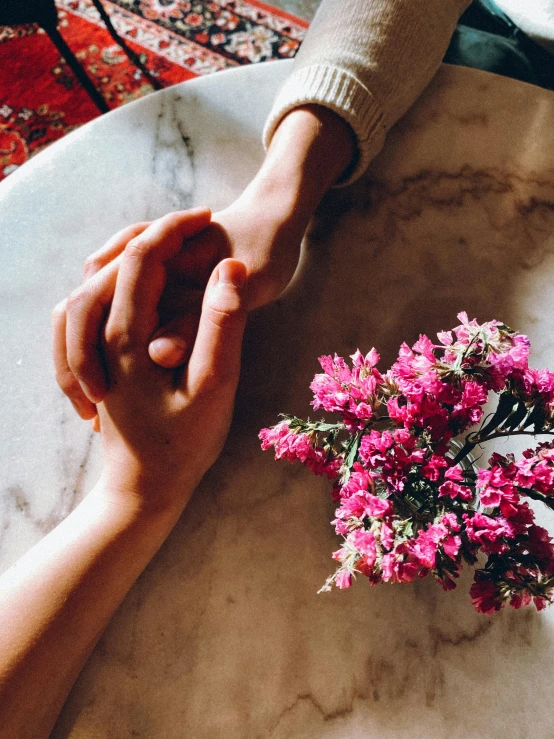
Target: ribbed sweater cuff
{"x":340,"y":91}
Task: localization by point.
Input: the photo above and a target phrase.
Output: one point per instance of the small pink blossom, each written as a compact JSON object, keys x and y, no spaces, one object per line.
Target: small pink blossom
{"x":425,"y":346}
{"x":387,"y":535}
{"x":451,"y":521}
{"x":455,"y":473}
{"x":298,"y":447}
{"x":361,"y":480}
{"x":364,"y":542}
{"x":343,"y":580}
{"x":432,"y":469}
{"x":445,"y":337}
{"x":364,"y":504}
{"x":451,"y":546}
{"x":399,"y":566}
{"x":424,"y":549}
{"x":453,"y":490}
{"x":491,"y":534}
{"x":485,"y":597}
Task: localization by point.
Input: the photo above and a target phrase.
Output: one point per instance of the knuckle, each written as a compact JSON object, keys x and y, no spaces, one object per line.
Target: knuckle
{"x":76,"y":299}
{"x":223,"y":318}
{"x":59,"y":309}
{"x":67,"y":382}
{"x":221,"y":384}
{"x":214,"y":379}
{"x":119,"y":341}
{"x":137,"y":247}
{"x":78,"y":364}
{"x":93,"y":264}
{"x":170,"y":219}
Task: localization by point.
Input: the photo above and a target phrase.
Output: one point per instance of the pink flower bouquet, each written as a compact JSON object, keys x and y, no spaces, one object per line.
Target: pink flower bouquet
{"x":411,"y":501}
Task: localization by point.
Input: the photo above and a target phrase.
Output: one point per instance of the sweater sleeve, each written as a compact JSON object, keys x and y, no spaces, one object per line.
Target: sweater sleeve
{"x":368,"y":60}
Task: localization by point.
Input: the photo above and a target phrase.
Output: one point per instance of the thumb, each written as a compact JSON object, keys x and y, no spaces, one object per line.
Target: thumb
{"x":172,"y":346}
{"x":215,"y":359}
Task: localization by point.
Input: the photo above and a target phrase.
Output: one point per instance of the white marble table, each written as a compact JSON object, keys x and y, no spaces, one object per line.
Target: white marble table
{"x":224,"y":637}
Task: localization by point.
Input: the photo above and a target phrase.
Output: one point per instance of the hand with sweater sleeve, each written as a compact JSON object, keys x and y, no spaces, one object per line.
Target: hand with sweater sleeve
{"x":368,"y":60}
{"x":362,"y":65}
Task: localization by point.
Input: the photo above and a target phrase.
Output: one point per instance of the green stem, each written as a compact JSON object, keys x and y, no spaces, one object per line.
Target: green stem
{"x":467,"y":448}
{"x":473,"y":439}
{"x":548,"y":502}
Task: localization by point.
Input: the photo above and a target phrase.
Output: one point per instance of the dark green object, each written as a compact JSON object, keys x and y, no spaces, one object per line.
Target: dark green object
{"x":485,"y":38}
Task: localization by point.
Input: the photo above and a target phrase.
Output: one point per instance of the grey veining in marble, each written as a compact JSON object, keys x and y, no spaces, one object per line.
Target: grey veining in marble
{"x":223,"y":636}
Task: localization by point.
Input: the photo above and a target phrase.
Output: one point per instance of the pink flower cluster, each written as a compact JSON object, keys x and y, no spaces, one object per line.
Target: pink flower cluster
{"x":299,"y":447}
{"x":350,"y":392}
{"x":409,"y":503}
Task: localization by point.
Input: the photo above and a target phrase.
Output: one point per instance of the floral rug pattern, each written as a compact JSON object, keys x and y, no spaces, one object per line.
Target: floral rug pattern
{"x":41,"y":100}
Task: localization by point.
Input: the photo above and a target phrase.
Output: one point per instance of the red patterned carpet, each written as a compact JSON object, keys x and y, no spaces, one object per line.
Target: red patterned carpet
{"x":41,"y":99}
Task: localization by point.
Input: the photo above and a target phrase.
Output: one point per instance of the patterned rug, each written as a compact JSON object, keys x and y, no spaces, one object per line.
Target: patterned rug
{"x":41,"y":100}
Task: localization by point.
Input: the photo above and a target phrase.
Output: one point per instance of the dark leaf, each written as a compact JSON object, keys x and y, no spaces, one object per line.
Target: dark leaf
{"x":515,"y":417}
{"x":537,"y":418}
{"x":351,"y":452}
{"x":506,"y":403}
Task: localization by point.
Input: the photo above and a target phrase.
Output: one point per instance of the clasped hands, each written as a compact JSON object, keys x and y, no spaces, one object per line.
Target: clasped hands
{"x":132,"y":349}
{"x":149,"y":346}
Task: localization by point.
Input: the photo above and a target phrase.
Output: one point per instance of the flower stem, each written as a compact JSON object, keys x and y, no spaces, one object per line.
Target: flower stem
{"x":548,"y":502}
{"x":473,"y":439}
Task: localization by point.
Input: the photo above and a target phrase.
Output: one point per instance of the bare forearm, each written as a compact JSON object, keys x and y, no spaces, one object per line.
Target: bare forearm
{"x":310,"y":151}
{"x":56,"y":601}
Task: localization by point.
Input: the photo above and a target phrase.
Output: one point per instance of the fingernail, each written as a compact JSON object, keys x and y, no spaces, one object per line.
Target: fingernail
{"x":167,"y":351}
{"x":232,"y":273}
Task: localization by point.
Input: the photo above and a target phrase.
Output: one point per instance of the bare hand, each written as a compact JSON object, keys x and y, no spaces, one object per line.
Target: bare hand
{"x":235,"y":233}
{"x":161,"y":428}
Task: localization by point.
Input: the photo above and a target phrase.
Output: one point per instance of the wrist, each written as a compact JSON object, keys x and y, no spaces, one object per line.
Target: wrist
{"x":310,"y":151}
{"x":276,"y":199}
{"x":139,"y":496}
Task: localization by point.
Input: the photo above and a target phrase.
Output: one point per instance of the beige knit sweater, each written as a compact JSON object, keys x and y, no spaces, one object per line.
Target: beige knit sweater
{"x":368,"y":60}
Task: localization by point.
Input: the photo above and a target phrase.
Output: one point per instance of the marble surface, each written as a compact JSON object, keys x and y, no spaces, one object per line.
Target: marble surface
{"x":302,"y":8}
{"x":223,"y":636}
